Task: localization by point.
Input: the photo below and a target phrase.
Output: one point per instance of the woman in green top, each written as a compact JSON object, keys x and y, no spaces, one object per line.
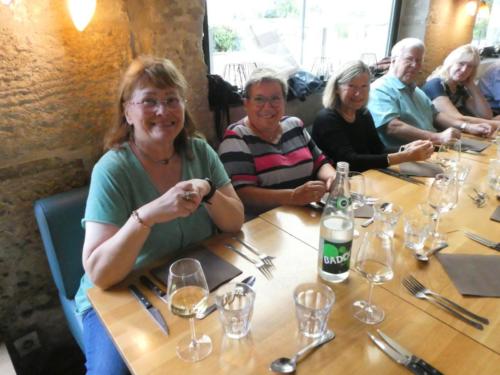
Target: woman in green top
{"x":155,"y":191}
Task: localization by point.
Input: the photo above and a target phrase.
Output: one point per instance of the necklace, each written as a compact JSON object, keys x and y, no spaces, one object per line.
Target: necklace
{"x":161,"y":161}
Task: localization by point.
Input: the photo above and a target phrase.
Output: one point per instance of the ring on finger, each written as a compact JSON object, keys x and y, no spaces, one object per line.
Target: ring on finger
{"x":188,"y":195}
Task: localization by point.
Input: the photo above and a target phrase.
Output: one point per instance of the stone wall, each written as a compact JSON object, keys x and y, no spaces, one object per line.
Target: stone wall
{"x":57,"y":97}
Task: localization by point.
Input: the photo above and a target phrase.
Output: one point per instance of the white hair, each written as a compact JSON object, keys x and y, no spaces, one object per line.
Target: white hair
{"x":405,"y":44}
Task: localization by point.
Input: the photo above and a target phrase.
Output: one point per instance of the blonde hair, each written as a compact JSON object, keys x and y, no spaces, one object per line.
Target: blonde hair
{"x":346,"y":74}
{"x":143,"y":71}
{"x":265,"y":75}
{"x":465,"y":53}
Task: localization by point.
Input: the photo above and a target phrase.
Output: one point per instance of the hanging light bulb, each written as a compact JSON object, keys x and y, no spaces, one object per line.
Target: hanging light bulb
{"x":81,"y":12}
{"x":484,"y":10}
{"x":471,"y":8}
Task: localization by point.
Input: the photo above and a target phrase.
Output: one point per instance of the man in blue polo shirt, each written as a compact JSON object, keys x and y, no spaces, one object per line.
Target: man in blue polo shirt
{"x":402,"y":112}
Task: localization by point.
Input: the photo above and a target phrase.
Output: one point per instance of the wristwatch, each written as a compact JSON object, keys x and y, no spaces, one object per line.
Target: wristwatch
{"x":211,"y":193}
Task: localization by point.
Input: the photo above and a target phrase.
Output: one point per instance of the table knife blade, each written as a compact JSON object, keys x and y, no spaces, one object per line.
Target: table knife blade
{"x":153,"y":311}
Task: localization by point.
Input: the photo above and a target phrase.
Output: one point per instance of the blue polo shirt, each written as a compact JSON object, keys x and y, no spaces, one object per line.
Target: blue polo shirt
{"x":392,"y":99}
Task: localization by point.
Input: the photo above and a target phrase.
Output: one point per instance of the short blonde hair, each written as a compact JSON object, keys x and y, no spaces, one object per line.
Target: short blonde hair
{"x":265,"y":75}
{"x":346,"y":74}
{"x":465,"y":53}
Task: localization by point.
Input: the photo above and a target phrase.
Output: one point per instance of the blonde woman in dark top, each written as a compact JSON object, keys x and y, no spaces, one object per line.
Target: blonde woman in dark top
{"x":344,"y":129}
{"x":452,"y":90}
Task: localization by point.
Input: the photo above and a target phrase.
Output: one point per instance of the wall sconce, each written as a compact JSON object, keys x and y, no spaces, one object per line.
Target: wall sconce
{"x":483,"y":11}
{"x":81,"y":12}
{"x":471,"y":8}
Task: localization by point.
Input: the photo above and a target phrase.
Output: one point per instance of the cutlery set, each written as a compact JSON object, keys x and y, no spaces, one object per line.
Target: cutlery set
{"x":401,"y":176}
{"x":402,"y":356}
{"x":264,"y":263}
{"x":483,"y":241}
{"x":418,"y":290}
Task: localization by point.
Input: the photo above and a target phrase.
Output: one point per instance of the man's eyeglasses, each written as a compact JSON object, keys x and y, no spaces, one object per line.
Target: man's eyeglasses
{"x":275,"y":100}
{"x":154,"y":104}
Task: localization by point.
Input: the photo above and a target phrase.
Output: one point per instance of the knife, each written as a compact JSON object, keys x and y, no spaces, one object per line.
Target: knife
{"x":153,"y":311}
{"x":154,"y":288}
{"x":408,"y":361}
{"x":250,"y":280}
{"x":413,"y":358}
{"x":404,"y":177}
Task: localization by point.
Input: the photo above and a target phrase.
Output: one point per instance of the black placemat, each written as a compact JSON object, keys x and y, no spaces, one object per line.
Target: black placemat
{"x":474,"y":275}
{"x":421,"y":169}
{"x":473,"y":145}
{"x":217,"y":270}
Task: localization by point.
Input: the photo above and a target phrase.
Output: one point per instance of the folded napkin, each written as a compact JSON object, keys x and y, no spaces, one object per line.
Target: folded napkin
{"x":364,"y":212}
{"x":217,"y":270}
{"x":474,"y":275}
{"x":421,"y":169}
{"x":473,"y":145}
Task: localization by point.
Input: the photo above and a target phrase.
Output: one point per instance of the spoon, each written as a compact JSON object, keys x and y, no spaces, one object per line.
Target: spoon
{"x":286,"y":365}
{"x":425,"y":257}
{"x":384,"y":206}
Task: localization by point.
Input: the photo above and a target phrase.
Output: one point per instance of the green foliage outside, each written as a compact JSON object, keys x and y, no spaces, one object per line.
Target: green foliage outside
{"x":225,"y":39}
{"x":281,"y":9}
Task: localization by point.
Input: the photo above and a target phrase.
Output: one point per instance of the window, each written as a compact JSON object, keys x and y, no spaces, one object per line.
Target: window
{"x":314,"y":35}
{"x":487,"y":26}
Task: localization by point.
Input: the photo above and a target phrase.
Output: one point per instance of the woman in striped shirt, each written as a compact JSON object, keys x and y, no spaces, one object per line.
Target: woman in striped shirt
{"x":271,"y":159}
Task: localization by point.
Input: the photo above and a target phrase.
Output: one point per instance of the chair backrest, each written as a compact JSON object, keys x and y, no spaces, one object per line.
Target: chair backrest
{"x":59,"y":220}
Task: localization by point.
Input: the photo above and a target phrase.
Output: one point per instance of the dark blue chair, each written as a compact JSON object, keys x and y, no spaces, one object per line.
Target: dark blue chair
{"x":59,"y":221}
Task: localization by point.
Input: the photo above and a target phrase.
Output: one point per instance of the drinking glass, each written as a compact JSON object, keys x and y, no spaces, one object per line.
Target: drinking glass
{"x":357,"y":189}
{"x":449,"y":153}
{"x":443,"y":197}
{"x":374,"y":261}
{"x":494,"y":175}
{"x":187,"y":295}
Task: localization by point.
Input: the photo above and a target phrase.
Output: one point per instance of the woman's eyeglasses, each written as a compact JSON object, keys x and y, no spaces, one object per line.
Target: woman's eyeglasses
{"x":274,"y":101}
{"x":150,"y":104}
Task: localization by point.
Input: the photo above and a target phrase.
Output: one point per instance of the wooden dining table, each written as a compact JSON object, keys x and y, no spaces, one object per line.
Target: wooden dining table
{"x":291,"y":235}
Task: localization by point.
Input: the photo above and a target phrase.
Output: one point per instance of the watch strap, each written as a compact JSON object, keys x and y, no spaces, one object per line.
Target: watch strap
{"x":211,"y":193}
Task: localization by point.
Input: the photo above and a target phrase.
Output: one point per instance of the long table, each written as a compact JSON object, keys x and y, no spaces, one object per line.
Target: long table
{"x":303,"y":223}
{"x":291,"y":234}
{"x":148,"y":351}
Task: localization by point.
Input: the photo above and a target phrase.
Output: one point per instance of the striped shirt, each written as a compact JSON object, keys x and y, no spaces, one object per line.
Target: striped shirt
{"x":251,"y":161}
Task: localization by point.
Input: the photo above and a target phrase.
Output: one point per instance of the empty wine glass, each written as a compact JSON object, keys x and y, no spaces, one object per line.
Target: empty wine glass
{"x":449,"y":153}
{"x":357,"y":189}
{"x":374,"y":261}
{"x":443,"y":197}
{"x":187,"y":295}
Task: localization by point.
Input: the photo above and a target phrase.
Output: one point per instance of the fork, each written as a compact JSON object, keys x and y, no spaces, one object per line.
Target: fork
{"x":483,"y":241}
{"x":267,"y":259}
{"x":421,"y":295}
{"x":261,"y":266}
{"x":421,"y":287}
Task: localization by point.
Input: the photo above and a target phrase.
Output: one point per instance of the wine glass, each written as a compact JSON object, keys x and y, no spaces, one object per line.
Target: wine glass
{"x":443,"y":197}
{"x":448,"y":154}
{"x":187,"y":295}
{"x":357,"y":189}
{"x":374,"y":261}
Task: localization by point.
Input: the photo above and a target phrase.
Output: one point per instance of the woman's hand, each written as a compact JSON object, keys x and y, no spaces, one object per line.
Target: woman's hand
{"x":481,"y":129}
{"x":311,"y":191}
{"x":179,"y":201}
{"x":419,"y":150}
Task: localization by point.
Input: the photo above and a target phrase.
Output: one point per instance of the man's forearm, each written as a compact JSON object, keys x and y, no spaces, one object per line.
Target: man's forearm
{"x":407,"y":133}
